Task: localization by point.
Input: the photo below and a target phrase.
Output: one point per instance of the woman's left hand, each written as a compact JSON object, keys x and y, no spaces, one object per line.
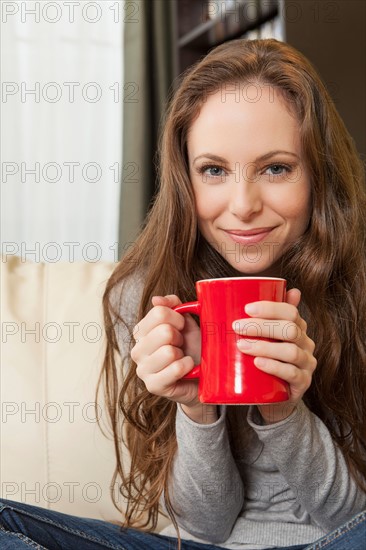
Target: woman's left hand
{"x":291,"y":358}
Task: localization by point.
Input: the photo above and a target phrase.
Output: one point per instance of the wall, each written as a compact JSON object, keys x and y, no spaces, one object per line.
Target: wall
{"x":332,"y":35}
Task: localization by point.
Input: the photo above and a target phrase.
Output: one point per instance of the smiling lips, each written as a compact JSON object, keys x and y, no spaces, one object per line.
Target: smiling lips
{"x":250,"y":236}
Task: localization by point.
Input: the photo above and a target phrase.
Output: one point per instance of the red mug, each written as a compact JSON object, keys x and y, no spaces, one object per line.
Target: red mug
{"x":227,"y":375}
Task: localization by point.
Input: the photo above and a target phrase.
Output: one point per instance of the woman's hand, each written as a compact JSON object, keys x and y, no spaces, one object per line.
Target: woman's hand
{"x":168,"y":344}
{"x":291,"y":359}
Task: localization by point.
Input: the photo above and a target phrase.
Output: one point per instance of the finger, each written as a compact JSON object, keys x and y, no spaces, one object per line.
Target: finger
{"x":281,"y":351}
{"x":171,"y":301}
{"x":274,"y":310}
{"x":164,"y":381}
{"x":275,"y":329}
{"x":293,"y":297}
{"x":297,"y":378}
{"x":162,"y":335}
{"x":159,"y":314}
{"x":158,"y":361}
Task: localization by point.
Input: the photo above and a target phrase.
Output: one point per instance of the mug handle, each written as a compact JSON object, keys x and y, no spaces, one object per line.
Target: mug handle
{"x":190,"y":307}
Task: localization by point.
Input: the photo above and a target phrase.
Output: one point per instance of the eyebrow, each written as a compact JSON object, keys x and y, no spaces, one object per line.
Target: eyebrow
{"x":261,"y":158}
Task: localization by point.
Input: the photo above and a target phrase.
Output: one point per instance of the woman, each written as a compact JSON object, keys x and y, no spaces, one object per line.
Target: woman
{"x":258,"y":176}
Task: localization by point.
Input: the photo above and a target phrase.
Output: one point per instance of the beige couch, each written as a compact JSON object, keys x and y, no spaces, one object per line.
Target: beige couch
{"x":53,"y":453}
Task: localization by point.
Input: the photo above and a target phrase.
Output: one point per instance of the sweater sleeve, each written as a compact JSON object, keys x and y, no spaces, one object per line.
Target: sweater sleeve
{"x":207,"y":492}
{"x":303,"y":450}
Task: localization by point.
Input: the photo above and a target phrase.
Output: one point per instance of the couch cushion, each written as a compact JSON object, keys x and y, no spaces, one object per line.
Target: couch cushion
{"x":53,"y":453}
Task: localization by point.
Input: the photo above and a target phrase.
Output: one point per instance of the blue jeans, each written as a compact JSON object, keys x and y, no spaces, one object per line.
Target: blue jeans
{"x":23,"y":526}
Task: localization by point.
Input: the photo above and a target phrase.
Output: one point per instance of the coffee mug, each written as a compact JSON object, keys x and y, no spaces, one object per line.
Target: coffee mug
{"x":226,"y":374}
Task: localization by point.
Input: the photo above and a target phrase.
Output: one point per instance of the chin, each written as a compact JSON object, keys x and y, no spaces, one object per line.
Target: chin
{"x":272,"y":270}
{"x":254,"y":270}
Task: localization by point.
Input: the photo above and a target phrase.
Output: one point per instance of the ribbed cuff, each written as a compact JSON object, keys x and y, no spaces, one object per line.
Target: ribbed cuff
{"x":221,"y":410}
{"x":256,"y":421}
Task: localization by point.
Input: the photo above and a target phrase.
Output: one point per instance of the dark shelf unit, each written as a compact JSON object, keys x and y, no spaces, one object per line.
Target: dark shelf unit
{"x":198,"y":33}
{"x":330,"y":34}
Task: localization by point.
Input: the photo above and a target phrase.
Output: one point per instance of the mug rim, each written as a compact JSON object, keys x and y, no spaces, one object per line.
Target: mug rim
{"x":241,"y":279}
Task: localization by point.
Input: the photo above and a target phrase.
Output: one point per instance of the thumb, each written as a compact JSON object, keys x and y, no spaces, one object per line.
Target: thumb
{"x":170,"y":300}
{"x":293,"y":297}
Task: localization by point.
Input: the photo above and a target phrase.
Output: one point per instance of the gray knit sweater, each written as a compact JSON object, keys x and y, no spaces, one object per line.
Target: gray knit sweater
{"x":289,"y":486}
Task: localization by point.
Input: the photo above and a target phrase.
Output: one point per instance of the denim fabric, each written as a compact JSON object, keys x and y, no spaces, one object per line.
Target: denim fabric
{"x":349,"y":536}
{"x":23,"y":526}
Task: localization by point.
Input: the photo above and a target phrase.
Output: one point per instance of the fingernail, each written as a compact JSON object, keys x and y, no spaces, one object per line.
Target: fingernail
{"x":235,"y":325}
{"x":244,"y":344}
{"x":252,"y":309}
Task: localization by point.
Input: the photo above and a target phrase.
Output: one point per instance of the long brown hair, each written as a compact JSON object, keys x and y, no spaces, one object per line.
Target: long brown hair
{"x":327,"y":264}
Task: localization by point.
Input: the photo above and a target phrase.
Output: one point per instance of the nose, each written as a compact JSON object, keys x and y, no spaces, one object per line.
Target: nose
{"x":245,"y":198}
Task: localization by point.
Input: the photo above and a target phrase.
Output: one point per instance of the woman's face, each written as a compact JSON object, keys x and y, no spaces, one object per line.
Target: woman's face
{"x":249,"y":178}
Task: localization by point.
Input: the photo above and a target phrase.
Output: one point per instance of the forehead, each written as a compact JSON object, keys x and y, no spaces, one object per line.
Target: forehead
{"x":258,"y":118}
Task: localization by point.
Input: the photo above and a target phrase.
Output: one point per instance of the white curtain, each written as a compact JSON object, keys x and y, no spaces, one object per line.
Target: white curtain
{"x":62,"y":99}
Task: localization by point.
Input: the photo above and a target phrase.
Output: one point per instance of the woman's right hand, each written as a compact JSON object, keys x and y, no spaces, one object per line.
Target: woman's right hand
{"x":168,"y":344}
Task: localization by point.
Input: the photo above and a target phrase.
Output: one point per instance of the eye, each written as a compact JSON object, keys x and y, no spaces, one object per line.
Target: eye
{"x":278,"y":169}
{"x":211,"y":171}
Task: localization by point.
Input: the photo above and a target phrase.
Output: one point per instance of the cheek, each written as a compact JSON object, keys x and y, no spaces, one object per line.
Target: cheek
{"x":207,"y":204}
{"x":204,"y":211}
{"x":299,"y":208}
